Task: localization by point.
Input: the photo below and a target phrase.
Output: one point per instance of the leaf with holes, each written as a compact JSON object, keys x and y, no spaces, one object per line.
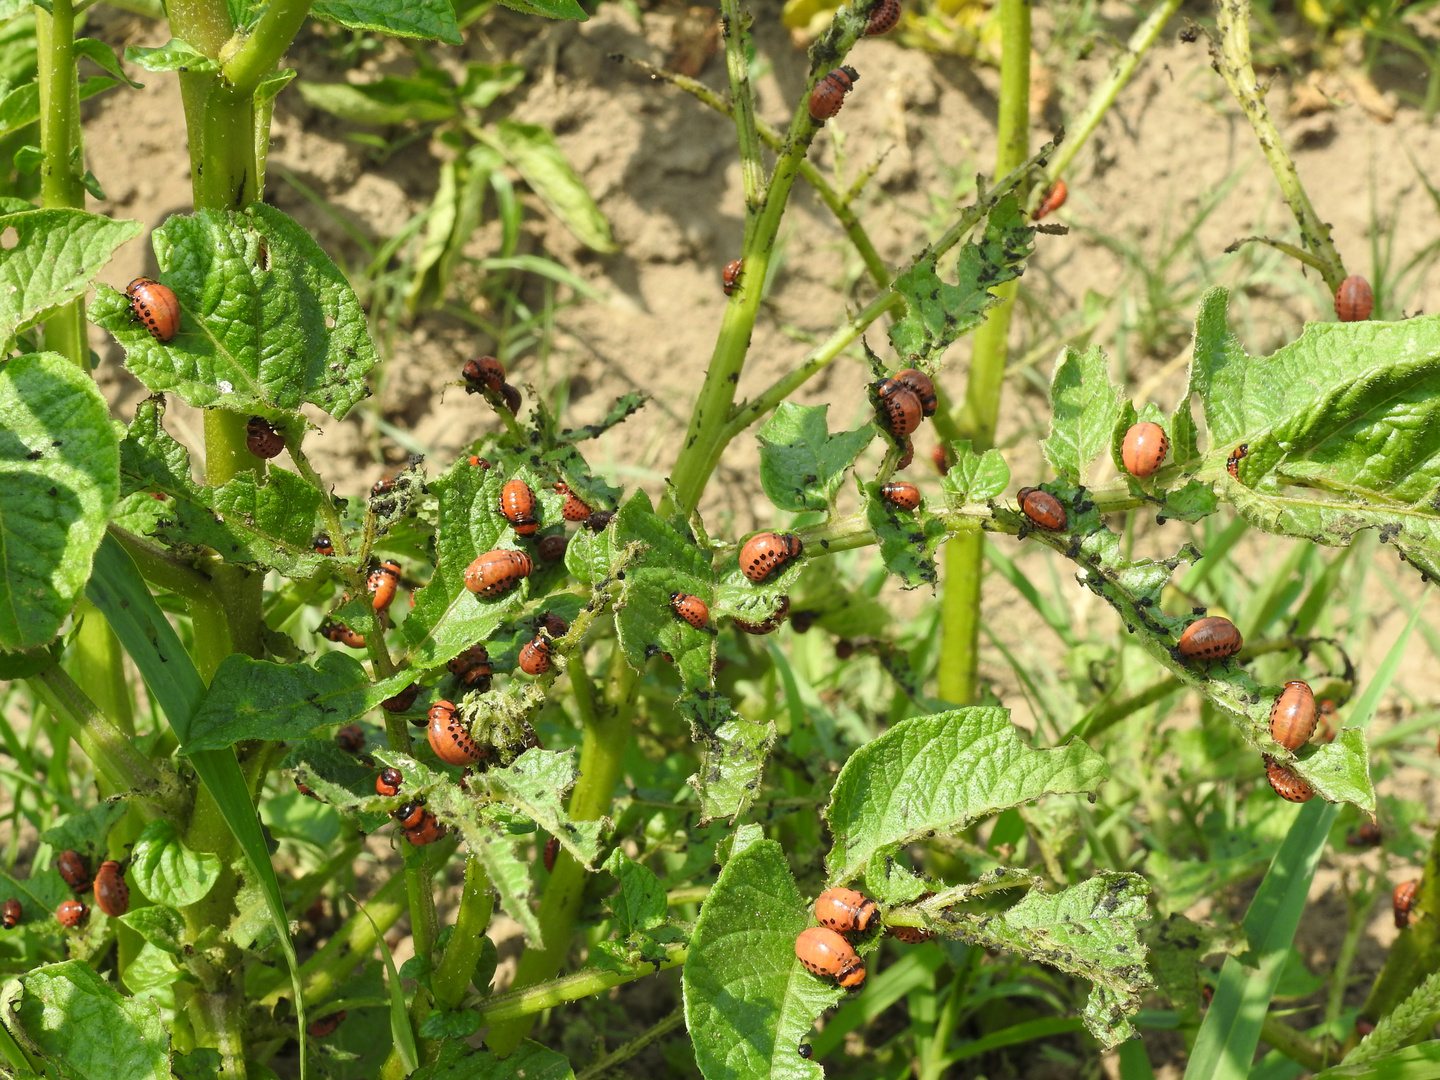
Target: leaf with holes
{"x":801,"y":464}
{"x":535,"y":784}
{"x":1342,"y":428}
{"x":939,"y":312}
{"x":974,"y":477}
{"x":908,"y":538}
{"x":1085,"y":406}
{"x":731,"y":767}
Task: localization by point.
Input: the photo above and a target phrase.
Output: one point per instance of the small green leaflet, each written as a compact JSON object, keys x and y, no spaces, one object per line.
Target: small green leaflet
{"x":801,"y":464}
{"x":1085,"y":406}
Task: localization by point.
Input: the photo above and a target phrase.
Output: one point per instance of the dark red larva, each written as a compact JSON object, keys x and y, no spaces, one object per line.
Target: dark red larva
{"x":844,"y":649}
{"x":305,"y":789}
{"x":883,"y":17}
{"x":1043,"y":509}
{"x":518,"y":505}
{"x":771,"y":622}
{"x":1367,"y":835}
{"x":535,"y":656}
{"x":339,"y":632}
{"x":1402,"y":900}
{"x":1232,"y":463}
{"x":112,"y":895}
{"x":155,"y":306}
{"x":477,"y":462}
{"x":690,"y":608}
{"x":1144,"y":449}
{"x":74,"y":869}
{"x":902,"y":494}
{"x":11,"y":913}
{"x":511,"y":398}
{"x":552,"y":849}
{"x":261,"y":439}
{"x":323,"y":546}
{"x":71,"y":913}
{"x":907,"y":454}
{"x":1054,"y":198}
{"x":326,"y":1025}
{"x":825,"y":953}
{"x":1354,"y":300}
{"x":350,"y":738}
{"x":554,"y":625}
{"x":1286,"y":783}
{"x":941,"y":457}
{"x":410,"y":814}
{"x":552,"y":548}
{"x":924,"y":387}
{"x":497,"y":571}
{"x":900,"y":407}
{"x":449,"y":737}
{"x":574,"y":509}
{"x":383,"y":582}
{"x":483,"y":372}
{"x":1293,"y":716}
{"x":1210,"y":638}
{"x":383,"y":486}
{"x":388,"y":782}
{"x":472,"y":667}
{"x":845,"y":910}
{"x":402,"y":701}
{"x":597,"y":521}
{"x":1363,"y":1027}
{"x":766,"y":552}
{"x":829,"y":93}
{"x":911,"y":935}
{"x":730,"y":276}
{"x":427,"y":832}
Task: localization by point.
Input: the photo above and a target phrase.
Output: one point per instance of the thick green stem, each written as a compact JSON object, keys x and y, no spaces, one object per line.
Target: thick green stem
{"x":965,"y":557}
{"x":99,"y":668}
{"x":1231,"y":58}
{"x":1297,"y":1047}
{"x":477,"y":903}
{"x":262,"y":49}
{"x":218,"y":1019}
{"x":505,"y":1011}
{"x":62,"y":166}
{"x":114,"y":756}
{"x":607,"y":732}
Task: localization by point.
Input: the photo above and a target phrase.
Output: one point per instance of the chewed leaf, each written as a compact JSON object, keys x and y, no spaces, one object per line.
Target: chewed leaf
{"x":974,"y":477}
{"x":940,"y":312}
{"x":535,"y":784}
{"x":748,"y":1002}
{"x":58,"y":463}
{"x":1089,"y":929}
{"x":1086,"y":406}
{"x":731,"y":767}
{"x":801,"y":464}
{"x":940,"y":773}
{"x":255,"y":699}
{"x":908,"y":538}
{"x":267,"y":321}
{"x":249,"y":520}
{"x":447,"y":616}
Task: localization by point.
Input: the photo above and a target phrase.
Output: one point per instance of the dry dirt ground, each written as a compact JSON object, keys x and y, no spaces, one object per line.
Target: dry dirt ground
{"x":666,"y":174}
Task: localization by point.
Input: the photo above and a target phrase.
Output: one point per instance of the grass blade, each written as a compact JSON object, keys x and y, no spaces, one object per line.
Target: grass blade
{"x":1418,"y":1062}
{"x":118,"y":590}
{"x":1225,"y":1045}
{"x":915,"y":969}
{"x":399,"y":1016}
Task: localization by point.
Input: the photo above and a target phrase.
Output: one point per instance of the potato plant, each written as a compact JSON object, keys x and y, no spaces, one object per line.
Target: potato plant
{"x":639,"y":783}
